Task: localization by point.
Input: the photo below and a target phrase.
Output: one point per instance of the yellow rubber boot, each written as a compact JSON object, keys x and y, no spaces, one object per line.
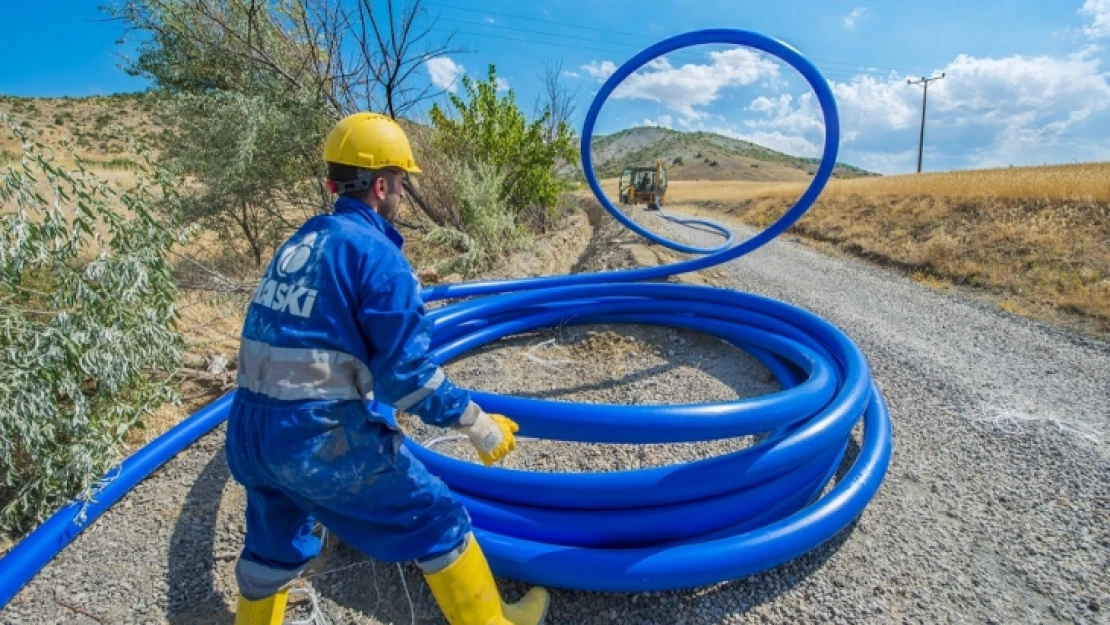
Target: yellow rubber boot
{"x":267,"y":611}
{"x":532,"y":608}
{"x":468,"y":595}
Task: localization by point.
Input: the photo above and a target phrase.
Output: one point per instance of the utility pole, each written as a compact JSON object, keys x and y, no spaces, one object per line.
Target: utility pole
{"x":924,"y":97}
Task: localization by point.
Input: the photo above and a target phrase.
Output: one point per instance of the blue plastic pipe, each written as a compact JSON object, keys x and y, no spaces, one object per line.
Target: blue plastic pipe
{"x":32,"y":553}
{"x":668,"y":527}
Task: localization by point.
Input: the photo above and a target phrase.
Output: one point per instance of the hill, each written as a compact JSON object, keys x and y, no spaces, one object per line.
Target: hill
{"x":688,"y":155}
{"x":703,"y":156}
{"x":84,"y":122}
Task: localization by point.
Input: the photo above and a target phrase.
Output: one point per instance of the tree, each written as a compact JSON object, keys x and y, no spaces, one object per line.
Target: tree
{"x":558,"y":98}
{"x":88,"y":317}
{"x":249,"y":152}
{"x":352,"y":55}
{"x":489,"y":128}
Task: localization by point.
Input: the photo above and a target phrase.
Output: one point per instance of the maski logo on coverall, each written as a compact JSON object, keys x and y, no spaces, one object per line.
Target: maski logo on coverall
{"x":284,"y":296}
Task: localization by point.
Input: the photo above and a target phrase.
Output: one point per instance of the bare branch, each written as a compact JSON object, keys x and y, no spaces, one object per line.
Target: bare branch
{"x":558,"y":99}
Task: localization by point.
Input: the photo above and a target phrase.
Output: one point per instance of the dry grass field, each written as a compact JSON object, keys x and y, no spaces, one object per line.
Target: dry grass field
{"x":1034,"y":238}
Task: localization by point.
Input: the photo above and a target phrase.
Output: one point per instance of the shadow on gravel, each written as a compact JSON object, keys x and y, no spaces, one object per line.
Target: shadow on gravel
{"x":719,"y":603}
{"x":727,"y":364}
{"x":192,"y":593}
{"x":713,"y":604}
{"x":628,"y":379}
{"x":345,"y":578}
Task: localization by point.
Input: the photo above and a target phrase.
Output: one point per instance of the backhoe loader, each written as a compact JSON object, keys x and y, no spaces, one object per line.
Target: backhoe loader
{"x":643,"y":185}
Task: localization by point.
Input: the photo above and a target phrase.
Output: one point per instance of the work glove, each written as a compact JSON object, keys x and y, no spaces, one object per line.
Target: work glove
{"x":492,"y":436}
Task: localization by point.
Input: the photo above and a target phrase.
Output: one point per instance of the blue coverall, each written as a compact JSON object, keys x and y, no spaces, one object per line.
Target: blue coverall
{"x":336,"y":326}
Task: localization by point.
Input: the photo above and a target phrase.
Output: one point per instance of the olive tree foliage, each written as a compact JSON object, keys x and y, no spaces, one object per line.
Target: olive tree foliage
{"x":247,"y":152}
{"x":87,"y":324}
{"x":358,"y":54}
{"x":306,"y":59}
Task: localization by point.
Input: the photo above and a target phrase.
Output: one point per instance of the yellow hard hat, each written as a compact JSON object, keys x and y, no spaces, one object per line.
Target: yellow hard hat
{"x":370,"y":141}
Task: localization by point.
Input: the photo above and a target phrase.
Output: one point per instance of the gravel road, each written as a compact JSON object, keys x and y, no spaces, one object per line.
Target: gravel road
{"x":996,"y":508}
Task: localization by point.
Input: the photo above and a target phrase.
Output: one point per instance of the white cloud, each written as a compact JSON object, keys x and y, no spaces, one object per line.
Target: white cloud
{"x":1017,"y":83}
{"x":985,"y":112}
{"x":851,"y":18}
{"x":776,"y":140}
{"x":600,"y":70}
{"x":490,"y":20}
{"x":1099,"y":12}
{"x":444,"y":72}
{"x":664,"y":121}
{"x":692,"y":86}
{"x":781,"y":115}
{"x":502,"y":83}
{"x":883,"y":162}
{"x":570,"y":74}
{"x":870,"y":101}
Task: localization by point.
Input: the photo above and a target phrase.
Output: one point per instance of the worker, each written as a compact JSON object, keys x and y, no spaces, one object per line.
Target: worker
{"x":335,"y":333}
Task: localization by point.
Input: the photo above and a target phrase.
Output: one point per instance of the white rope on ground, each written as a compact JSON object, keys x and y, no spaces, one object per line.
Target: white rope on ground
{"x":1009,"y":419}
{"x":448,"y":438}
{"x":316,"y":616}
{"x":405,"y":585}
{"x":547,"y":363}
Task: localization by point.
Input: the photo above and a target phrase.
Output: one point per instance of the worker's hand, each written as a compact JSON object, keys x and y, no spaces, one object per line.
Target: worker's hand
{"x":492,"y":436}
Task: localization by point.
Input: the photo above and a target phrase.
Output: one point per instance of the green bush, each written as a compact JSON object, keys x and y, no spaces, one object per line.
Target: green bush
{"x":88,"y":318}
{"x":492,"y":129}
{"x":489,"y":227}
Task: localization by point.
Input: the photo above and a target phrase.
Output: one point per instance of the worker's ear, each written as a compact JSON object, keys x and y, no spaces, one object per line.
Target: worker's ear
{"x":380,"y":187}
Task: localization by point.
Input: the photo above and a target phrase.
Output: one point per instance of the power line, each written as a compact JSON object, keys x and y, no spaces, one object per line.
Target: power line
{"x":829,"y":73}
{"x":842,"y":72}
{"x":612,"y":49}
{"x":924,"y":96}
{"x":521,"y":30}
{"x":530,"y":41}
{"x":985,"y":97}
{"x":868,"y":69}
{"x":536,"y":19}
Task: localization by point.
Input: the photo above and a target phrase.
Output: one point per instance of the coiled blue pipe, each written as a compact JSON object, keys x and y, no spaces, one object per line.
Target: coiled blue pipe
{"x":660,"y":528}
{"x":699,"y":522}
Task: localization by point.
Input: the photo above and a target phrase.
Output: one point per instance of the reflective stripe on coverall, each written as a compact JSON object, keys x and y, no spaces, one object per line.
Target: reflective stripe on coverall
{"x":336,"y":326}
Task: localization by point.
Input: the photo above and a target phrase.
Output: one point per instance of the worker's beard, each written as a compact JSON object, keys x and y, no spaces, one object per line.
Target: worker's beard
{"x":389,"y":207}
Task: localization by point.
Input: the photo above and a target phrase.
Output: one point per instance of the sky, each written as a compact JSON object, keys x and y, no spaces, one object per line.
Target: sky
{"x":1025,"y":81}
